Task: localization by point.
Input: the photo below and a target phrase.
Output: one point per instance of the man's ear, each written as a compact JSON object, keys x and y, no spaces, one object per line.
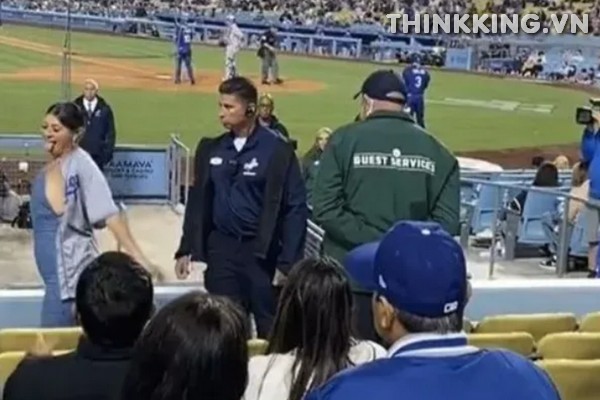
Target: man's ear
{"x":385,"y":313}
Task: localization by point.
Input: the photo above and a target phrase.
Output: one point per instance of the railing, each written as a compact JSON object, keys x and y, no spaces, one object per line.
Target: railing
{"x":563,"y":251}
{"x":179,"y":169}
{"x":314,"y":240}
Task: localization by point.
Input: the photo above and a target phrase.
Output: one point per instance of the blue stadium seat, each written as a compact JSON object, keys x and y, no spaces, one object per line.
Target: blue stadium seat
{"x":486,"y":207}
{"x":537,"y":204}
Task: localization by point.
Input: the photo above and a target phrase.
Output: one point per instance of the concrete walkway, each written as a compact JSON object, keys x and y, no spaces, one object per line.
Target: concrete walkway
{"x":156,"y":228}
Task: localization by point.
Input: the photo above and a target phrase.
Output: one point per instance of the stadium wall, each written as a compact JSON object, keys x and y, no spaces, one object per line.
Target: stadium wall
{"x":22,"y":307}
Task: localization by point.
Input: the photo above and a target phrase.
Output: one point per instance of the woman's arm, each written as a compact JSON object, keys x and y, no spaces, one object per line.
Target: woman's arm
{"x":100,"y":206}
{"x":120,"y":230}
{"x":576,"y":206}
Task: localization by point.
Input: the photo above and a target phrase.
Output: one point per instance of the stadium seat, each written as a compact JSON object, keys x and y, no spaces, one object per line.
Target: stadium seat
{"x":24,"y":339}
{"x":468,"y":326}
{"x":590,"y":323}
{"x":538,"y":325}
{"x":570,"y":345}
{"x":537,"y":204}
{"x":519,"y":342}
{"x":9,"y":361}
{"x":257,"y":347}
{"x":574,"y":379}
{"x":486,"y":206}
{"x":527,"y":229}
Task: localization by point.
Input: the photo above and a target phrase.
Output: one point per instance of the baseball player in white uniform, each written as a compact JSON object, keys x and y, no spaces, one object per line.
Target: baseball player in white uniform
{"x":234,"y":40}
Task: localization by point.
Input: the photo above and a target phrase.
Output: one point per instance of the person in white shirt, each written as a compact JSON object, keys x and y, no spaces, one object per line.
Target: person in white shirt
{"x":100,"y":130}
{"x":311,"y":338}
{"x":234,"y":40}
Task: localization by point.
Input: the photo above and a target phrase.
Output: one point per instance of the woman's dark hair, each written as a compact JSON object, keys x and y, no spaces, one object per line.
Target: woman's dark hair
{"x":314,"y":318}
{"x":194,"y":348}
{"x":546,"y":176}
{"x":68,"y":114}
{"x":537,"y":161}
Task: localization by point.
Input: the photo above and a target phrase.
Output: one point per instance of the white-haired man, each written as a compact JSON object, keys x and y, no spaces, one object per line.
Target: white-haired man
{"x":233,"y":40}
{"x":100,"y":133}
{"x":418,"y":275}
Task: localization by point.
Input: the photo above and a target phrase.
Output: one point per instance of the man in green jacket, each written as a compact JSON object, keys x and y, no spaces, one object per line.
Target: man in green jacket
{"x":380,"y":170}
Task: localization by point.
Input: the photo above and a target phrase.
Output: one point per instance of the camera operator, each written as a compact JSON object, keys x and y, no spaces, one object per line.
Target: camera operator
{"x":590,"y":154}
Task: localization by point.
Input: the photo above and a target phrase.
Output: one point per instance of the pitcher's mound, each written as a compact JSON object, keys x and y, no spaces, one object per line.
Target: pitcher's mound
{"x":113,"y":73}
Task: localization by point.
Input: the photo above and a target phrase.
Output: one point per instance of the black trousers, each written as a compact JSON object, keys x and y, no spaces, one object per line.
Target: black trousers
{"x":363,"y":317}
{"x":232,"y":270}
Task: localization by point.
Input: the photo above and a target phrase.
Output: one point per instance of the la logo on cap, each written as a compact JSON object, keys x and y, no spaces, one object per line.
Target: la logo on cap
{"x":450,"y":307}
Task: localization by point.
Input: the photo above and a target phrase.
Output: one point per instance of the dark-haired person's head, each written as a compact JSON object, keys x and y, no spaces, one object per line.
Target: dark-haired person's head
{"x":314,"y":318}
{"x":419,"y":276}
{"x":537,"y":161}
{"x":546,"y":176}
{"x":238,"y":97}
{"x":62,"y":127}
{"x":194,"y":348}
{"x":114,"y":300}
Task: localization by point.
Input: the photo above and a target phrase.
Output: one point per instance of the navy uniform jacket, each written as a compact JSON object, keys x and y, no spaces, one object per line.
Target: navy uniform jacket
{"x":100,"y":133}
{"x":257,"y":192}
{"x":441,"y":367}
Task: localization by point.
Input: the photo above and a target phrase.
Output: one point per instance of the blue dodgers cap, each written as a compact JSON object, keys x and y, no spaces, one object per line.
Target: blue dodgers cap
{"x":417,"y":266}
{"x":384,"y":85}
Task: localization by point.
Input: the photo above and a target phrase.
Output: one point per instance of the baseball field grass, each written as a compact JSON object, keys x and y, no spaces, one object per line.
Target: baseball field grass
{"x":467,"y":112}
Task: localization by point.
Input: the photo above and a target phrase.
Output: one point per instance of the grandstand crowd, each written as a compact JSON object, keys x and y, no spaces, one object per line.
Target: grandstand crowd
{"x":571,"y":64}
{"x":317,"y":13}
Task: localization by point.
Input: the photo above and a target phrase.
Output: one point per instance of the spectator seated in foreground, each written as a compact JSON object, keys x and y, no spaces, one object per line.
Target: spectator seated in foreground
{"x":311,"y":338}
{"x":193,"y":349}
{"x":113,"y":304}
{"x":419,"y":276}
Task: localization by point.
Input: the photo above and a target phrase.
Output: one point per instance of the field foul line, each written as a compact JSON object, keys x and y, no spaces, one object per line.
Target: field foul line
{"x":54,"y":51}
{"x":498,"y":105}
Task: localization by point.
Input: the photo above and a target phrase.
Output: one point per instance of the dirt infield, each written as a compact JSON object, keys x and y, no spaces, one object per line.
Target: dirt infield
{"x":121,"y":74}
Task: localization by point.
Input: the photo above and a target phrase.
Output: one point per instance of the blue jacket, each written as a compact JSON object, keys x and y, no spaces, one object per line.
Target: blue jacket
{"x":590,"y":153}
{"x":262,"y":184}
{"x":183,"y":40}
{"x":100,"y":132}
{"x":441,"y":367}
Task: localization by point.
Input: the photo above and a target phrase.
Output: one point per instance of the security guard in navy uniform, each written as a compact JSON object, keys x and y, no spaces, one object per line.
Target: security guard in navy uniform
{"x":246,"y":213}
